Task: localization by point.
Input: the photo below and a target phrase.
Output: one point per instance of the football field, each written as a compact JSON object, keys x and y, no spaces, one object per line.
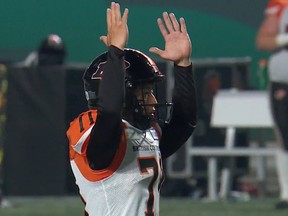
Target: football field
{"x":72,"y":206}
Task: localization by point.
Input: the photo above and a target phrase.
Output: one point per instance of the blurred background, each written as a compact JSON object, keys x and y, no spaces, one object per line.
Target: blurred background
{"x":39,"y":101}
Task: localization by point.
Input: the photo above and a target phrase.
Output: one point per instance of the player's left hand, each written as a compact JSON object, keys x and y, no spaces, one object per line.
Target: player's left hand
{"x":178,"y":46}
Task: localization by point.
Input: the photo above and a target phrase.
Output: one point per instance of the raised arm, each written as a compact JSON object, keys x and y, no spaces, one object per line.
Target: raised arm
{"x":106,"y":133}
{"x":178,"y":46}
{"x":267,"y":34}
{"x":273,"y":34}
{"x":178,"y":49}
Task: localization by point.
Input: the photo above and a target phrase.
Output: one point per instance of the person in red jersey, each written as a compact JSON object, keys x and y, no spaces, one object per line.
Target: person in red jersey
{"x":273,"y":37}
{"x":117,"y":146}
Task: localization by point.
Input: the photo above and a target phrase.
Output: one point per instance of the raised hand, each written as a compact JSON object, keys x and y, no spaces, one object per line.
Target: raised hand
{"x":117,"y":29}
{"x":178,"y":46}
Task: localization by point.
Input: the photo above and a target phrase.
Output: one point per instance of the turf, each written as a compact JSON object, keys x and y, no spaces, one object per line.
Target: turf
{"x":72,"y":206}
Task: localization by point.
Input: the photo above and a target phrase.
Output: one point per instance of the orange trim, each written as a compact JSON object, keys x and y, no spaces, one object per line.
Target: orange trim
{"x":73,"y":153}
{"x":76,"y":130}
{"x":281,"y":3}
{"x":277,"y":2}
{"x":97,"y":175}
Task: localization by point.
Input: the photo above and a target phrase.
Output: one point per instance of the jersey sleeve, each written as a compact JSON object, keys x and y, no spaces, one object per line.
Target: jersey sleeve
{"x":275,"y":7}
{"x":184,"y":115}
{"x":79,"y":131}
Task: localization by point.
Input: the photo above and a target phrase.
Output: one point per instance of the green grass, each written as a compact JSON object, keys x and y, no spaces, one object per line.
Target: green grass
{"x":72,"y":206}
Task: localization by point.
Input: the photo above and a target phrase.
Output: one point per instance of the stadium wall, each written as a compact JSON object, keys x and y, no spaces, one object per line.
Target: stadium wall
{"x":222,"y":28}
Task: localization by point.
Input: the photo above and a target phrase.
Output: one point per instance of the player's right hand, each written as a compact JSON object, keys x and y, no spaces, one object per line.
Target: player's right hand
{"x":117,"y":28}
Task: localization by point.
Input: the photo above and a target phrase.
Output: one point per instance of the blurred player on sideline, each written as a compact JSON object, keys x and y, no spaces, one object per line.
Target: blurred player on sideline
{"x":50,"y":52}
{"x":273,"y":37}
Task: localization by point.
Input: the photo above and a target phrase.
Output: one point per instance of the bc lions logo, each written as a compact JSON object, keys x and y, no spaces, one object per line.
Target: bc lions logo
{"x":97,"y":75}
{"x":99,"y":71}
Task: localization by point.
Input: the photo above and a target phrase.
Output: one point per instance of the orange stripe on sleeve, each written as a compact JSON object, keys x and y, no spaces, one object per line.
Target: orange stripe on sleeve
{"x":78,"y":127}
{"x":97,"y":175}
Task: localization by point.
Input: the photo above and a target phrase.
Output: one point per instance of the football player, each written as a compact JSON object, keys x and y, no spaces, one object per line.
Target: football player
{"x":117,"y":146}
{"x":273,"y":36}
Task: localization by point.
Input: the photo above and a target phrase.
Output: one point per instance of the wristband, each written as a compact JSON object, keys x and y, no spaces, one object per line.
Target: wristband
{"x":282,"y":40}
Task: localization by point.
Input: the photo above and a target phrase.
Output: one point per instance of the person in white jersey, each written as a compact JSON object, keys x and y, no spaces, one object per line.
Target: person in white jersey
{"x":273,"y":37}
{"x":117,"y":146}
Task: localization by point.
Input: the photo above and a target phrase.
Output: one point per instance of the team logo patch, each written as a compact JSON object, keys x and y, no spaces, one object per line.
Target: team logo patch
{"x":127,"y":64}
{"x":97,"y":75}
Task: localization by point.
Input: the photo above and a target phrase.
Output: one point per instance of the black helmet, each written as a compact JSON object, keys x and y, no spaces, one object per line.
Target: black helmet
{"x":140,"y":68}
{"x":51,"y":51}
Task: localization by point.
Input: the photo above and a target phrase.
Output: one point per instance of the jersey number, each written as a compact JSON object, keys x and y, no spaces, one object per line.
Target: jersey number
{"x":81,"y":123}
{"x":144,"y":165}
